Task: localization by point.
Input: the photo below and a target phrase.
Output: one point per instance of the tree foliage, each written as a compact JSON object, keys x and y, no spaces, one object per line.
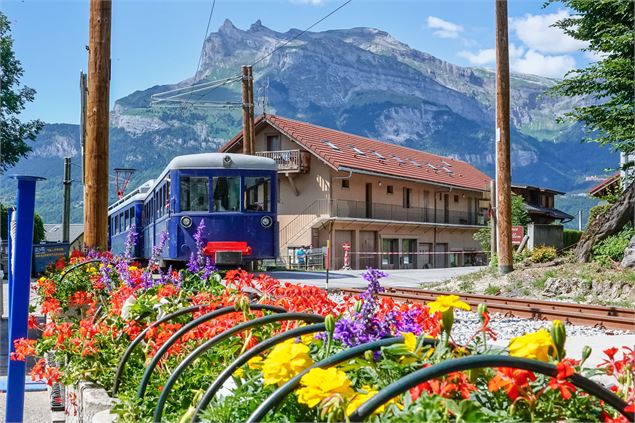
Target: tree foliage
{"x":608,"y":28}
{"x":38,"y":226}
{"x":13,"y":98}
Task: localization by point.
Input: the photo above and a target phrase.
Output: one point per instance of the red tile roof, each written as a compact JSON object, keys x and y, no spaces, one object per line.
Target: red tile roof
{"x":343,"y":151}
{"x":605,"y":183}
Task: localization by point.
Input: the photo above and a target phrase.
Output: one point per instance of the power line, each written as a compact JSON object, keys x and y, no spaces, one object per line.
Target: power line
{"x":301,"y":33}
{"x":209,"y":21}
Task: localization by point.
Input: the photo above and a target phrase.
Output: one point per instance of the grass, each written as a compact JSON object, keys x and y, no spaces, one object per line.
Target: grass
{"x":539,"y":283}
{"x":492,"y":289}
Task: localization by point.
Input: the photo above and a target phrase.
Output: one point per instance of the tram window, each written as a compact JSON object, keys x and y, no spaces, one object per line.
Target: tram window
{"x":194,"y":194}
{"x":121,"y":222}
{"x":257,"y":193}
{"x":226,"y":193}
{"x":132,"y":222}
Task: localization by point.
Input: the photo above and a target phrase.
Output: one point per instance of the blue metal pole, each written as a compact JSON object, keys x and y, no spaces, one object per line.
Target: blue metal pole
{"x":19,"y":297}
{"x":9,"y":257}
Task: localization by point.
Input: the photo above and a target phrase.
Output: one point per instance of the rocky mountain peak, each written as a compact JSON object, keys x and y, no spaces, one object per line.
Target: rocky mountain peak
{"x":227,"y":27}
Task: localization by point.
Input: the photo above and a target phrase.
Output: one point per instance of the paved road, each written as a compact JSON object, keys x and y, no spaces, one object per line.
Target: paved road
{"x":353,"y":279}
{"x":36,"y":407}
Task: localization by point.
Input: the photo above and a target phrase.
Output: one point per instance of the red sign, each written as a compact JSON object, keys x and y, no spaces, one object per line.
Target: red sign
{"x":518,"y":233}
{"x":346,"y":246}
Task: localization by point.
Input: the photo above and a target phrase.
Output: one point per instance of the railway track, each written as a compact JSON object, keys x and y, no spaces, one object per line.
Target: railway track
{"x":579,"y":314}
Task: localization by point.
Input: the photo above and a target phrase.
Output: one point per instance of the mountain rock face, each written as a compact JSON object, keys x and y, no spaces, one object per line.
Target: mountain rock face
{"x":359,"y":80}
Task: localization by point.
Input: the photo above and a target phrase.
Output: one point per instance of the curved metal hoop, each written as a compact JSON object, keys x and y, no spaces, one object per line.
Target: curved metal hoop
{"x":201,"y":349}
{"x":245,"y":357}
{"x":280,"y":394}
{"x":186,"y":328}
{"x":126,"y":355}
{"x":478,"y":362}
{"x":78,"y":266}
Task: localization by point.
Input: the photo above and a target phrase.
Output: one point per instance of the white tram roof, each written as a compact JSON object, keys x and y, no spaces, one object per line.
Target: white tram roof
{"x":138,"y":194}
{"x":218,"y":161}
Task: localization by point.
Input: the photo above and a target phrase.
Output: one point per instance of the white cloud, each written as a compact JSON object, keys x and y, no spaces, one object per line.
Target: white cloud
{"x":537,"y":32}
{"x":488,"y":56}
{"x":444,"y":29}
{"x":536,"y":63}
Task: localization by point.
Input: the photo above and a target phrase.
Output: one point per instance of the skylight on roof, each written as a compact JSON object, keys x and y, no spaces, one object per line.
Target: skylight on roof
{"x":431,"y":166}
{"x":446,"y":163}
{"x":399,"y":160}
{"x":358,"y":151}
{"x":415,"y":163}
{"x":447,"y":169}
{"x":378,"y":155}
{"x":330,"y":144}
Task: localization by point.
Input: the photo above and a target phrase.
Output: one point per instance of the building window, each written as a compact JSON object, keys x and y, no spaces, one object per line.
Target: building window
{"x":273,"y":142}
{"x":390,"y":189}
{"x":406,"y":197}
{"x":226,"y":193}
{"x":194,"y":194}
{"x":456,"y":198}
{"x":257,"y":193}
{"x":346,"y":183}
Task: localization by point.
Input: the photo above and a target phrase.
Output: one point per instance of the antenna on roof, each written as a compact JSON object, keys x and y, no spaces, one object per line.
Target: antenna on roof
{"x":122,"y":178}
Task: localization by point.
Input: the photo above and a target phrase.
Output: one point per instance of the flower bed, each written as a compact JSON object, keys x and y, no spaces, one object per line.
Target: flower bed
{"x":96,"y":310}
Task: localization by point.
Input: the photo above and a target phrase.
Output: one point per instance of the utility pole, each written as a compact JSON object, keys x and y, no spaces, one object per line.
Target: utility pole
{"x":248,"y":110}
{"x":66,"y":216}
{"x":83,"y":92}
{"x":580,"y":220}
{"x":492,"y":196}
{"x":96,"y":161}
{"x":252,"y":108}
{"x":503,"y":169}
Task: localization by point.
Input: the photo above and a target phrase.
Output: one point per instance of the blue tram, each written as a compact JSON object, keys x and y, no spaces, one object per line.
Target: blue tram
{"x":124,"y":215}
{"x":234,"y":196}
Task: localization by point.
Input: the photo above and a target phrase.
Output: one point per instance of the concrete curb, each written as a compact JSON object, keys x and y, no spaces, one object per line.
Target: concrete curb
{"x":92,"y":404}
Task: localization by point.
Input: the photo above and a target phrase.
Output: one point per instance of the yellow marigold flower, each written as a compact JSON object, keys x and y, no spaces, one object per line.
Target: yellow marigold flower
{"x":307,"y":339}
{"x":537,"y":345}
{"x":361,"y":398}
{"x":285,"y":361}
{"x":132,"y":268}
{"x":255,"y":363}
{"x":319,"y":384}
{"x":446,"y":302}
{"x":239,"y":372}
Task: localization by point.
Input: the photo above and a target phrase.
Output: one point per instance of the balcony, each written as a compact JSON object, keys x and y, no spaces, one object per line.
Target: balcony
{"x":379,"y":211}
{"x":289,"y":161}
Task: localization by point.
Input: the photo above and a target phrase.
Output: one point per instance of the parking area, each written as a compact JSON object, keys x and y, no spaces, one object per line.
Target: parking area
{"x":353,"y":279}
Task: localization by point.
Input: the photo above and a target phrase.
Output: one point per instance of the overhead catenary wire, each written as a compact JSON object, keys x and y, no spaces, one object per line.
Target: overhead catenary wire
{"x":209,"y":21}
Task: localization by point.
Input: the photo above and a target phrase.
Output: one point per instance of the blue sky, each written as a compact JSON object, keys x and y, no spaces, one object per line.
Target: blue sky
{"x":158,"y":42}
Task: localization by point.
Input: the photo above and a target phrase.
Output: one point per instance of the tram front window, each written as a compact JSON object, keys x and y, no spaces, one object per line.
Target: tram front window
{"x":194,"y":194}
{"x":257,"y":194}
{"x":226,"y":193}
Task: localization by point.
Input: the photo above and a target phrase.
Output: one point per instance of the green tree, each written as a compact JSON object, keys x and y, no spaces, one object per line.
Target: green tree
{"x":38,"y":226}
{"x":608,"y":28}
{"x":520,"y":217}
{"x":13,"y":98}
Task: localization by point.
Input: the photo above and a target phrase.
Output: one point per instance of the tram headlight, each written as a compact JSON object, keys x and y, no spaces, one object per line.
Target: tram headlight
{"x":186,"y":222}
{"x":266,"y":221}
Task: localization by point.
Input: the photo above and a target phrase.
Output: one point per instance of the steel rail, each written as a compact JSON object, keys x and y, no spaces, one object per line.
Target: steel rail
{"x":525,"y":308}
{"x":126,"y":355}
{"x":245,"y":357}
{"x":281,"y":393}
{"x":478,"y":362}
{"x":201,"y":349}
{"x":186,"y":328}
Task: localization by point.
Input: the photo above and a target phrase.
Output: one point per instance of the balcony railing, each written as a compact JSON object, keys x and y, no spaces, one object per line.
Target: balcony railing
{"x":289,"y":160}
{"x":363,"y":210}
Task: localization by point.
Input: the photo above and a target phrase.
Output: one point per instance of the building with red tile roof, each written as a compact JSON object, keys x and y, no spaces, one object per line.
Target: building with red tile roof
{"x":395,"y":207}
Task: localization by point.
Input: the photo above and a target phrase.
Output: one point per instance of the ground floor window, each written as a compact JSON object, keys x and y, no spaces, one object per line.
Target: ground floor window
{"x":390,"y":253}
{"x":408,"y":253}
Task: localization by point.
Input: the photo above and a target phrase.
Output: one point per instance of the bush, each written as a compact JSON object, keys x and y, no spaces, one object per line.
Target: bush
{"x":596,"y":211}
{"x":612,"y":248}
{"x":543,"y":254}
{"x":571,"y":237}
{"x":483,"y":237}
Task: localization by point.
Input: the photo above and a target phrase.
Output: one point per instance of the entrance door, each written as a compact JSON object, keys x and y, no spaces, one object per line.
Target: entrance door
{"x":424,"y":260}
{"x":446,"y":208}
{"x":408,"y":257}
{"x":367,"y":243}
{"x":390,"y":256}
{"x":441,"y":257}
{"x":369,"y":201}
{"x":341,"y":238}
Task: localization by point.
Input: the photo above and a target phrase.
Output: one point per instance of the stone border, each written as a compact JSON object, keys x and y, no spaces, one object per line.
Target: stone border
{"x":92,"y":404}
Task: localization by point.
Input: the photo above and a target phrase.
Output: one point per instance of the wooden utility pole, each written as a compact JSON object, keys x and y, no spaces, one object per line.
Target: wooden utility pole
{"x":252,"y":107}
{"x":503,"y":168}
{"x":246,"y":112}
{"x":96,"y":183}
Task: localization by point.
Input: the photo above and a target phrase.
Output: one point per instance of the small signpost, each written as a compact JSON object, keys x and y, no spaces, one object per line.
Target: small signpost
{"x":518,"y":233}
{"x":347,"y":258}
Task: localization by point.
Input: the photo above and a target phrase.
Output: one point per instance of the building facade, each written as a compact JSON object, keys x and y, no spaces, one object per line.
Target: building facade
{"x":395,"y":207}
{"x":540,"y":204}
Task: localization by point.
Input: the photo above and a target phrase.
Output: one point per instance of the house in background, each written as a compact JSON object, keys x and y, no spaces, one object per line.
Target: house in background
{"x":610,"y":185}
{"x":53,"y":233}
{"x":540,"y":204}
{"x":396,"y":207}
